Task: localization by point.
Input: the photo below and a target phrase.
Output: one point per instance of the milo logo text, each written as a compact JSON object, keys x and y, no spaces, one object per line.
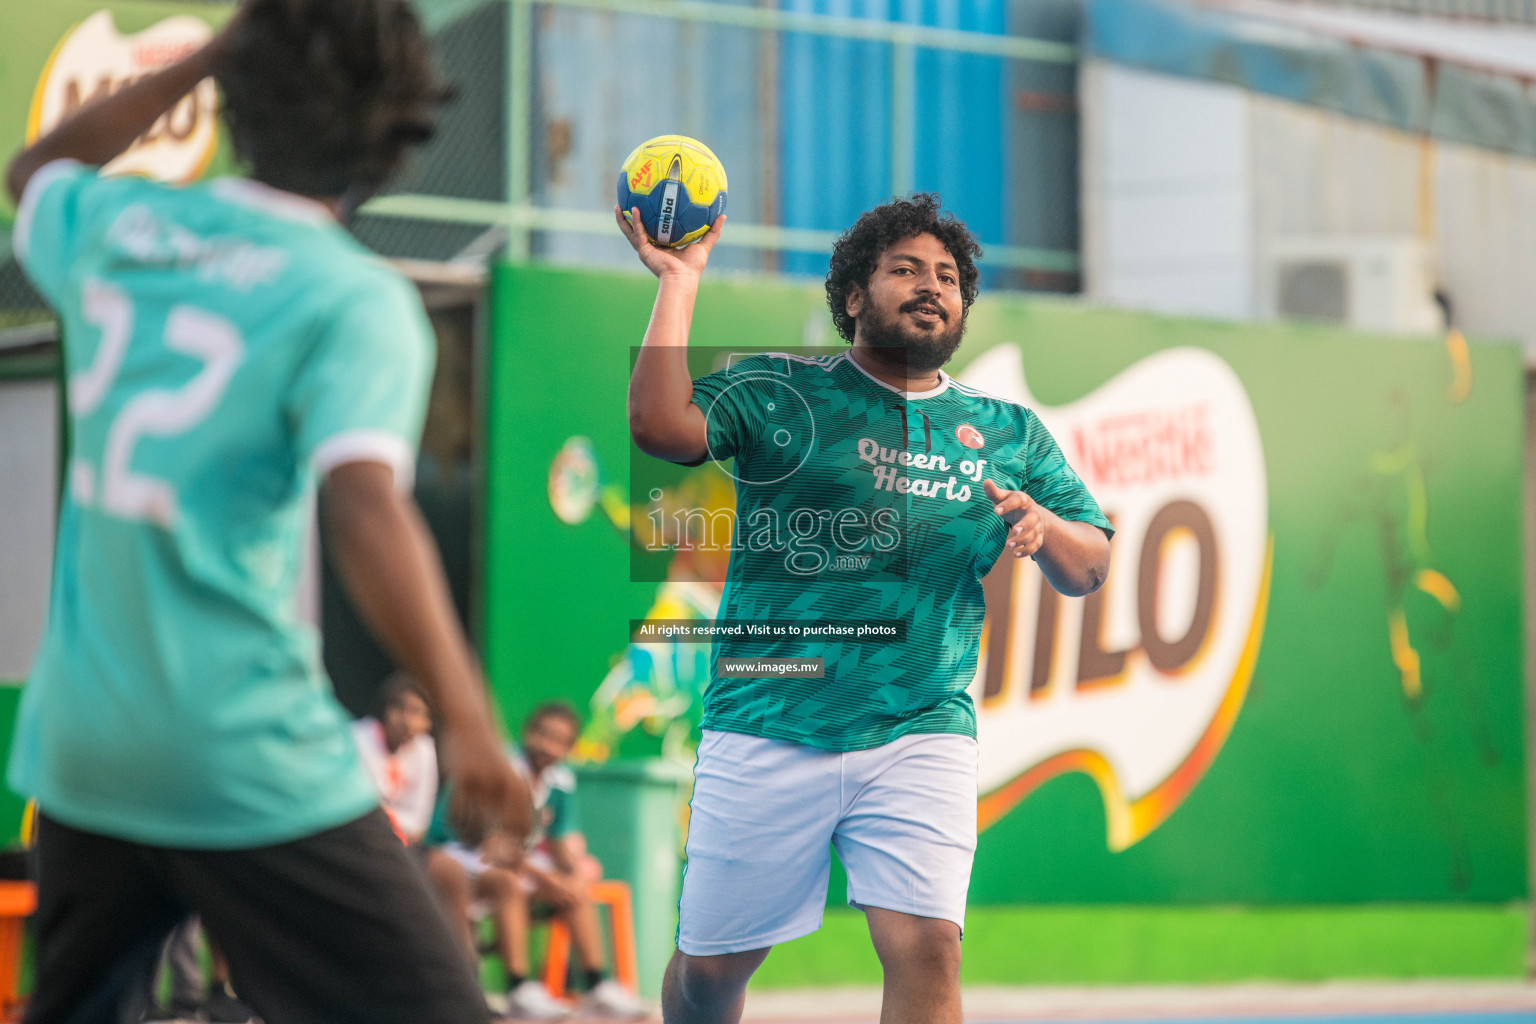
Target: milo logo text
{"x":1138,"y":684}
{"x":95,"y":60}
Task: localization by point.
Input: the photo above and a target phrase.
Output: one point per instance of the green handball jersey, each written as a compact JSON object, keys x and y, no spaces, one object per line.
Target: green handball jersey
{"x":856,"y":503}
{"x":225,"y":344}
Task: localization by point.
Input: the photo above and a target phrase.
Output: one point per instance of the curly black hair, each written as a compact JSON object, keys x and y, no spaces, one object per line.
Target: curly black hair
{"x":323,"y":97}
{"x":858,"y":250}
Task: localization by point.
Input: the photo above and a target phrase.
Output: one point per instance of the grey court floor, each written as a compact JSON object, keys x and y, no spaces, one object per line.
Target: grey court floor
{"x":1427,"y":1002}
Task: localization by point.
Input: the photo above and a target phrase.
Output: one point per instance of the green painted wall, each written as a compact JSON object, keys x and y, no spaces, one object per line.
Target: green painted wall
{"x":1332,"y":787}
{"x":11,"y":805}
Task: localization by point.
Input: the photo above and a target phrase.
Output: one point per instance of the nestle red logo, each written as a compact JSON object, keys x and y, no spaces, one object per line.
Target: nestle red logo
{"x":1143,"y":448}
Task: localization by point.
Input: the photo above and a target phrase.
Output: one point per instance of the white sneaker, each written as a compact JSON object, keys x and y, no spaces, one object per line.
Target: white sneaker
{"x":610,"y":999}
{"x":532,"y":1001}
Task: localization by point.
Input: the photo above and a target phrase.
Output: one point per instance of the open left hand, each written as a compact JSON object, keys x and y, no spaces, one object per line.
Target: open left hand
{"x":1027,"y":533}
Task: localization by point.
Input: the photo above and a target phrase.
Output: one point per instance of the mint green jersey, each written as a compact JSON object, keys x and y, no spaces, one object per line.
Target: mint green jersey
{"x":225,"y":343}
{"x":858,"y":504}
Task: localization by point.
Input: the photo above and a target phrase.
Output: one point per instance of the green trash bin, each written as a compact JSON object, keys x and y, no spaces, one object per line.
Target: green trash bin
{"x":630,"y":816}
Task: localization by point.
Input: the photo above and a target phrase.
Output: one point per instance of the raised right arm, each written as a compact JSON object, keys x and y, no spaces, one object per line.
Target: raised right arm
{"x":663,"y":421}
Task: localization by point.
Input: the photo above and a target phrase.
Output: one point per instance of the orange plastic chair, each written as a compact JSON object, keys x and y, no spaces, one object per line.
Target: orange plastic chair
{"x":621,"y":927}
{"x":17,"y":902}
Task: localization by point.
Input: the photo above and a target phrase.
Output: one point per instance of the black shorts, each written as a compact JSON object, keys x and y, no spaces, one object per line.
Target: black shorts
{"x":333,"y":928}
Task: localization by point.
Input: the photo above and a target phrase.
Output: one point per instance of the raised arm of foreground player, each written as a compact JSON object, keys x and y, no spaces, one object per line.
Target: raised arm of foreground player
{"x":663,"y":420}
{"x":356,"y":409}
{"x":102,"y":129}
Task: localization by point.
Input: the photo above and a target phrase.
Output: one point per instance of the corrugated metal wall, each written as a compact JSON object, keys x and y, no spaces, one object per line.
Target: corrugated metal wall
{"x":804,"y":124}
{"x":837,"y":120}
{"x":607,"y":82}
{"x":1485,"y":240}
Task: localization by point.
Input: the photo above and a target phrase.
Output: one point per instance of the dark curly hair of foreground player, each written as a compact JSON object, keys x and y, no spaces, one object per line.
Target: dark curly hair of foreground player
{"x":859,"y":248}
{"x":323,"y":97}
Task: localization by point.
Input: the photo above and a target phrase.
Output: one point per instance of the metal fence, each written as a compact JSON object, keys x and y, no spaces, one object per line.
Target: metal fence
{"x":815,"y":116}
{"x":21,"y":308}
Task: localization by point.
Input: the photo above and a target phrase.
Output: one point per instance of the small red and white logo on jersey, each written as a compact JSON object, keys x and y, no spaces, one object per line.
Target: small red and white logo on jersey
{"x":969,"y":436}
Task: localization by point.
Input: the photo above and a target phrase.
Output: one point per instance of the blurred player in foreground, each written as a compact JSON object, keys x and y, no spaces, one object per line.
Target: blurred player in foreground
{"x":228,"y":346}
{"x":877,"y":756}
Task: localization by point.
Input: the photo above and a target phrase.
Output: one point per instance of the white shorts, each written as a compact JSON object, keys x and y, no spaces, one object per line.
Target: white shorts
{"x":902,"y":817}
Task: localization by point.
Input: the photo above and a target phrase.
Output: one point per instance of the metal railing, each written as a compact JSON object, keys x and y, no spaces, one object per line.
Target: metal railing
{"x":519,"y":216}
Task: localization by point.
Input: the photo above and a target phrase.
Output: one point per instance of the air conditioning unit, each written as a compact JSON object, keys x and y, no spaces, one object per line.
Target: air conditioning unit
{"x":1380,"y":284}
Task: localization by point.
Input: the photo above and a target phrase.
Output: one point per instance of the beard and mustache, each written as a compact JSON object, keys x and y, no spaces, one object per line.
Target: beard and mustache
{"x":903,"y":346}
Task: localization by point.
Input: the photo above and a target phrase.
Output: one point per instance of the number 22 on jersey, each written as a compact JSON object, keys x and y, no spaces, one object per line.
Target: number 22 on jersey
{"x":156,"y":412}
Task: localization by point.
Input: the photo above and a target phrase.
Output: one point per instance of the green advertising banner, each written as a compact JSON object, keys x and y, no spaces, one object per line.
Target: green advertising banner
{"x":1302,"y":681}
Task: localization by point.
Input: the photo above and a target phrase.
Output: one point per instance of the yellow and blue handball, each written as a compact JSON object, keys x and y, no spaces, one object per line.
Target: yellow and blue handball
{"x":678,"y":185}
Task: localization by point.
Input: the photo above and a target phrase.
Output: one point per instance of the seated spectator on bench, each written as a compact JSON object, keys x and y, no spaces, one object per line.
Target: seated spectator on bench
{"x":552,"y":878}
{"x":398,"y":751}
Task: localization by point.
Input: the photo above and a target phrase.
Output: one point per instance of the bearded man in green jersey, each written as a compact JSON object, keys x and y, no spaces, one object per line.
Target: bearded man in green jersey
{"x":875,"y":454}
